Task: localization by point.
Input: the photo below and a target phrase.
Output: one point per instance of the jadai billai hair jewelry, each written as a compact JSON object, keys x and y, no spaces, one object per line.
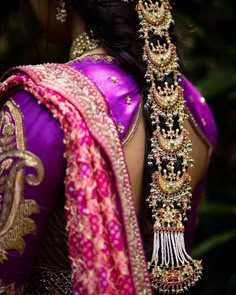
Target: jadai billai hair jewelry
{"x":172,"y":269}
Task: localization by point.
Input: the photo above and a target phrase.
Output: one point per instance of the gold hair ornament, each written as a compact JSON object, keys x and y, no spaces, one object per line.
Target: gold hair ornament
{"x":172,"y":269}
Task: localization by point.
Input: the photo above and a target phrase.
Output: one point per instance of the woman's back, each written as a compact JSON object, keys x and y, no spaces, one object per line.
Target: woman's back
{"x":123,"y":96}
{"x":96,"y":157}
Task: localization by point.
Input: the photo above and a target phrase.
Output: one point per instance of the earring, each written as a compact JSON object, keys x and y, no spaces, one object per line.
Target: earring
{"x":61,"y":11}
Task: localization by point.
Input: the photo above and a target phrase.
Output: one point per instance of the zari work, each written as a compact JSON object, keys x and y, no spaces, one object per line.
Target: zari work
{"x":15,"y":210}
{"x":97,"y":180}
{"x":172,"y":269}
{"x":95,"y":225}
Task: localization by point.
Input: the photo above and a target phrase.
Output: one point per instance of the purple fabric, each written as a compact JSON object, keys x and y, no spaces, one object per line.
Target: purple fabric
{"x":200,"y":111}
{"x":100,"y":72}
{"x":44,"y":138}
{"x":204,"y":118}
{"x":116,"y":86}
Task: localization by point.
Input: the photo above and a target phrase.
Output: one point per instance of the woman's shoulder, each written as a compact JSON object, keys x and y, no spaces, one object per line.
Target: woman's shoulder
{"x":21,"y":106}
{"x":119,"y":89}
{"x":200,"y":113}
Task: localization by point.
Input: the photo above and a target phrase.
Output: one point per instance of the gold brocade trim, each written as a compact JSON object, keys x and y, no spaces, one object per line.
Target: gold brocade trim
{"x":134,"y":125}
{"x":15,"y":210}
{"x":197,"y":128}
{"x":17,"y":117}
{"x":201,"y":134}
{"x":11,"y":289}
{"x":95,"y":58}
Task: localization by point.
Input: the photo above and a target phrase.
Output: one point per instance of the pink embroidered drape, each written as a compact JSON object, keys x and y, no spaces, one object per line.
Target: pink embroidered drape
{"x":105,"y":246}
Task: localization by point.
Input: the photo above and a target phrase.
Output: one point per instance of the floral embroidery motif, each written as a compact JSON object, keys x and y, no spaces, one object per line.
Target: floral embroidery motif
{"x":14,"y":209}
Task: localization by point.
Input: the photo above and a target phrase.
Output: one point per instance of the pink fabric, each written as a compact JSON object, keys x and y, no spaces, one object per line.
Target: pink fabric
{"x":104,"y":241}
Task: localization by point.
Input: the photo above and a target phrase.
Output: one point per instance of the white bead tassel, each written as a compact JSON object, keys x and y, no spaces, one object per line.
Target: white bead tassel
{"x":156,"y":247}
{"x":173,"y":270}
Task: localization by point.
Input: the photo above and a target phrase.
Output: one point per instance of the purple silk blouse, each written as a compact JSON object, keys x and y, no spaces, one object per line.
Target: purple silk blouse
{"x":44,"y":138}
{"x":112,"y":81}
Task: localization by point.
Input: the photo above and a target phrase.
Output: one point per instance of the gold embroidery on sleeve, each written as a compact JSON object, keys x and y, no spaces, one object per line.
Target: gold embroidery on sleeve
{"x":15,"y":222}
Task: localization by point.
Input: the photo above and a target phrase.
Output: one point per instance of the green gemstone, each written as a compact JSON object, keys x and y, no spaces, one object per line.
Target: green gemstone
{"x":156,"y":17}
{"x":164,"y":270}
{"x":171,"y":187}
{"x":172,"y":145}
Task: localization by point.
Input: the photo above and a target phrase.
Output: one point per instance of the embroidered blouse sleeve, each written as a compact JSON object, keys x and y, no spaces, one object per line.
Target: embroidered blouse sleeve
{"x":200,"y":113}
{"x":202,"y":119}
{"x":31,"y":179}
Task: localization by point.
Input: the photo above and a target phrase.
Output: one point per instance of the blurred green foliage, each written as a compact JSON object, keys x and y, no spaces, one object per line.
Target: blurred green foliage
{"x":209,"y":54}
{"x":208,"y":51}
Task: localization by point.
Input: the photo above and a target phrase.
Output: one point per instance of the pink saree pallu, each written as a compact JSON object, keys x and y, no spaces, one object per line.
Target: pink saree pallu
{"x":105,"y":246}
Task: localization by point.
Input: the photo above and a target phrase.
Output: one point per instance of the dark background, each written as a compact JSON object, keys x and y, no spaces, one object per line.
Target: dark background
{"x":208,"y":43}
